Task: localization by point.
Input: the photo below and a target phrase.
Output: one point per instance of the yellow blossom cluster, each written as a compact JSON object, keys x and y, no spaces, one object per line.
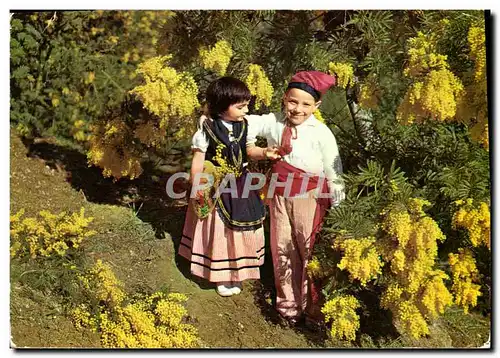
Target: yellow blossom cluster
{"x":392,"y":295}
{"x":224,"y":167}
{"x":479,"y":131}
{"x":440,"y":92}
{"x":136,"y":326}
{"x":96,"y":30}
{"x":113,"y":40}
{"x":204,"y":205}
{"x":183,"y":131}
{"x":436,"y":96}
{"x":146,"y":24}
{"x":412,"y":310}
{"x":398,"y":225}
{"x":102,"y":282}
{"x":317,"y":114}
{"x":435,"y":92}
{"x":413,"y":258}
{"x":416,"y":206}
{"x":369,"y":93}
{"x":55,"y":100}
{"x":50,"y":234}
{"x":341,"y":311}
{"x":465,"y":273}
{"x":360,"y":258}
{"x":149,"y":134}
{"x":170,"y":313}
{"x":170,"y":95}
{"x":477,"y":44}
{"x":79,"y":131}
{"x":23,"y":129}
{"x":416,"y":290}
{"x":89,"y":78}
{"x":314,"y":267}
{"x":422,"y":56}
{"x":435,"y":296}
{"x":476,"y":220}
{"x":344,"y":72}
{"x":473,"y":109}
{"x":411,"y":318}
{"x":82,"y":317}
{"x":80,"y":136}
{"x":152,"y":321}
{"x":108,"y":150}
{"x":217,"y":58}
{"x":132,"y":55}
{"x":259,"y":85}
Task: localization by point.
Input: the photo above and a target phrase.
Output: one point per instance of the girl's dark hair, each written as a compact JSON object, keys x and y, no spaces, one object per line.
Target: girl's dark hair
{"x":224,"y":92}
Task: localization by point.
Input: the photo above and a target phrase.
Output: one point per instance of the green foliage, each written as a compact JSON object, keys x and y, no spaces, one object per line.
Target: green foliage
{"x":387,"y":163}
{"x":69,"y":66}
{"x":369,"y":189}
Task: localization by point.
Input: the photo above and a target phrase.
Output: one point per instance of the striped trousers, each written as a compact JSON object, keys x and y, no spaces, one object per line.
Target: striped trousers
{"x":292,"y":226}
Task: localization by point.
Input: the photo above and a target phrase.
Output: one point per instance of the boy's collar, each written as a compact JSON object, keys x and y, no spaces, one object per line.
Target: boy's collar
{"x":310,"y":122}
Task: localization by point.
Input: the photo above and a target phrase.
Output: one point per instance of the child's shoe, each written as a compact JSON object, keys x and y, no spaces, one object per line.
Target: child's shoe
{"x":223,"y":290}
{"x":236,"y":288}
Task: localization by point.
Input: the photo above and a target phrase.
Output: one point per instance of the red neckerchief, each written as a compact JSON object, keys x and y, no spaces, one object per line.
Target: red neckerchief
{"x":286,"y":140}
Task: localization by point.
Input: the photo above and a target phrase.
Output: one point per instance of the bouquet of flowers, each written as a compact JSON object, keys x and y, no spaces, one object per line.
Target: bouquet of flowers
{"x":204,"y":202}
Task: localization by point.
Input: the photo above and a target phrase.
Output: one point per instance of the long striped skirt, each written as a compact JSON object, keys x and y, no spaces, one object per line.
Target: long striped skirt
{"x":219,"y":254}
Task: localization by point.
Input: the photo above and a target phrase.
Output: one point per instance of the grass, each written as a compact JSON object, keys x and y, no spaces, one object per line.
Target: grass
{"x":467,"y":331}
{"x":137,"y":232}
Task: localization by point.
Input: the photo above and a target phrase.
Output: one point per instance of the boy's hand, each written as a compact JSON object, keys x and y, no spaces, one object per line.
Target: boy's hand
{"x":272,"y":153}
{"x":337,"y":197}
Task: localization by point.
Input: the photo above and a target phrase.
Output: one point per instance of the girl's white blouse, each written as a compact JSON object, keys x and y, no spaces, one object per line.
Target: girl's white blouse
{"x":200,"y":139}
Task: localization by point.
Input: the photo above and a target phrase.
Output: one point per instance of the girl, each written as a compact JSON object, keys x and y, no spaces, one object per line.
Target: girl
{"x":225,"y":245}
{"x":307,"y":147}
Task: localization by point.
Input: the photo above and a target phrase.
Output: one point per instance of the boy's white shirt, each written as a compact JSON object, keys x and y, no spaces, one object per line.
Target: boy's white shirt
{"x":315,"y":150}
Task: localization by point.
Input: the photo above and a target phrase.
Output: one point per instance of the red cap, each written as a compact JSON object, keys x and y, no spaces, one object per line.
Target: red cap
{"x":314,"y":80}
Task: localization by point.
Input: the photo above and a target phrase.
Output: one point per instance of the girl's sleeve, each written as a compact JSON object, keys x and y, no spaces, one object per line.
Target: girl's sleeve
{"x":332,"y":165}
{"x":200,"y":141}
{"x":259,"y":125}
